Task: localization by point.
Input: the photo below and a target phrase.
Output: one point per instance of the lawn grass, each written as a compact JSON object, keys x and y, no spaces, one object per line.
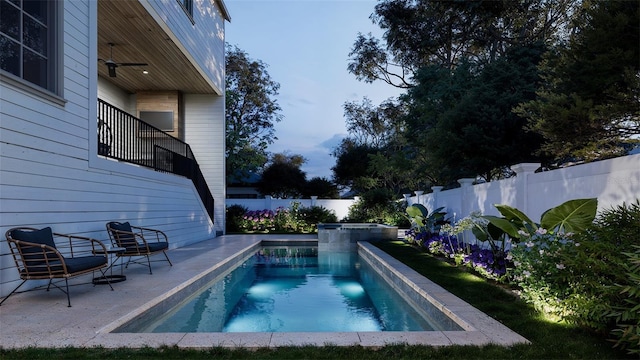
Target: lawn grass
{"x":549,"y":340}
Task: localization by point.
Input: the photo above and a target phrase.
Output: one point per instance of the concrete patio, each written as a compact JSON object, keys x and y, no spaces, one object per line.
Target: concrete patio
{"x":42,"y":319}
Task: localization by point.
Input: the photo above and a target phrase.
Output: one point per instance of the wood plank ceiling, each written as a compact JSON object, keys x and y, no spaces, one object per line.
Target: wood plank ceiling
{"x":137,"y":38}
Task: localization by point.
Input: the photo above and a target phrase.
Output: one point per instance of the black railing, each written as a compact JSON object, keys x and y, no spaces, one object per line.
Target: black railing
{"x":124,"y":137}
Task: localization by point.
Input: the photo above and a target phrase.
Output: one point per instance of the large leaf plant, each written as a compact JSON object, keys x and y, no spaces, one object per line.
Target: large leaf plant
{"x":571,"y":216}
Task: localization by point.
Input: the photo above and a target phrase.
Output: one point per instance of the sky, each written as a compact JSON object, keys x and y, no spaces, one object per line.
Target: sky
{"x":305,"y":45}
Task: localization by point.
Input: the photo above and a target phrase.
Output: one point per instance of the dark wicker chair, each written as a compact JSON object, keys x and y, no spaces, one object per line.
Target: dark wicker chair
{"x":138,"y":242}
{"x":45,"y":255}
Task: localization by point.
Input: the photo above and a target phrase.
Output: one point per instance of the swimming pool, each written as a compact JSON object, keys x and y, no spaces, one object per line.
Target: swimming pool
{"x":209,"y":262}
{"x":299,"y":289}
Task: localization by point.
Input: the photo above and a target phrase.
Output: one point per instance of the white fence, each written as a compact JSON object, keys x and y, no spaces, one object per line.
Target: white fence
{"x":612,"y":182}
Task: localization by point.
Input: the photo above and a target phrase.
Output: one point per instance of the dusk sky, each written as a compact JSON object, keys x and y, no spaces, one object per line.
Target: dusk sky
{"x":305,"y":45}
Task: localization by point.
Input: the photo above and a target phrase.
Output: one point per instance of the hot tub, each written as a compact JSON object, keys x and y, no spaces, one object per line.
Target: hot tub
{"x":335,"y":236}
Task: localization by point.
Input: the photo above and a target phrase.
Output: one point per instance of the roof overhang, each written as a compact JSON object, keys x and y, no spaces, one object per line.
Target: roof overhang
{"x":138,"y":38}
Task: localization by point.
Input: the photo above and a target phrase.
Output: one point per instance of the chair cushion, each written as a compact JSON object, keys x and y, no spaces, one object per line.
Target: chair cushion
{"x":153,"y":247}
{"x":123,"y":240}
{"x":82,"y":263}
{"x":42,"y":236}
{"x":158,"y":246}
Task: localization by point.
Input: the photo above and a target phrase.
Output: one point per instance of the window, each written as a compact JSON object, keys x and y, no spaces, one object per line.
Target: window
{"x":28,"y":41}
{"x":188,"y":7}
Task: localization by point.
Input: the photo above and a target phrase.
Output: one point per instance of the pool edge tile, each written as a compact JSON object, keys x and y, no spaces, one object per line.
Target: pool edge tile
{"x":380,"y":339}
{"x":134,"y":340}
{"x":281,"y":339}
{"x":228,"y":340}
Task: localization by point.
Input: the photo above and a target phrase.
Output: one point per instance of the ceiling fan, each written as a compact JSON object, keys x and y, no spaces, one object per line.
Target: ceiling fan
{"x":112,"y":65}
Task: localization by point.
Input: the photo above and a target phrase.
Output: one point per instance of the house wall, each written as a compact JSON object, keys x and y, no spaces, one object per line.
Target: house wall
{"x":203,"y":113}
{"x":205,"y":133}
{"x":204,"y":45}
{"x":51,"y":175}
{"x":116,"y":96}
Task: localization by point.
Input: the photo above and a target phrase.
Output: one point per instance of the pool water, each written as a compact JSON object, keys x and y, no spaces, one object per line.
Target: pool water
{"x":294,"y":289}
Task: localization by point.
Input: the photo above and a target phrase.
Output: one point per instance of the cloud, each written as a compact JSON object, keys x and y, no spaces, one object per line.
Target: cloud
{"x":333,"y":142}
{"x":305,"y":101}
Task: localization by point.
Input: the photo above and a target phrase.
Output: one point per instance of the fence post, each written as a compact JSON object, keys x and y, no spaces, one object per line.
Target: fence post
{"x":418,"y":194}
{"x":523,"y":171}
{"x":465,"y":185}
{"x":436,"y":190}
{"x":267,"y":202}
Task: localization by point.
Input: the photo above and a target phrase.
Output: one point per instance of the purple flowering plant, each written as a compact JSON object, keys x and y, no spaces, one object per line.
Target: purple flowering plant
{"x":258,"y":220}
{"x":449,"y":241}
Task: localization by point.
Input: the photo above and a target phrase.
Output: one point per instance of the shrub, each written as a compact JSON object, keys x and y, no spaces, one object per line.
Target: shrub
{"x":234,"y":217}
{"x":378,"y":206}
{"x":295,"y":219}
{"x":588,"y":279}
{"x":608,"y":285}
{"x":285,"y":220}
{"x":627,"y":314}
{"x":313,"y":215}
{"x":486,"y":262}
{"x":540,"y":271}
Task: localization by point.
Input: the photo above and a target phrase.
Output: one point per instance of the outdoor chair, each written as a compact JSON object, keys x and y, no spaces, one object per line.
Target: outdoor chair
{"x":45,"y":255}
{"x":138,"y":242}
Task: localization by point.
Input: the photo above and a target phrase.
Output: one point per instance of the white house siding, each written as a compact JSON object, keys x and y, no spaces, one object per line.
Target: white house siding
{"x":202,"y":44}
{"x":205,"y":134}
{"x":50,"y":174}
{"x":116,"y":96}
{"x":203,"y":114}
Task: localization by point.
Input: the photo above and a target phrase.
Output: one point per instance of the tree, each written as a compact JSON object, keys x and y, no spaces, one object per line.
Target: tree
{"x":421,"y":33}
{"x":251,"y":112}
{"x":352,"y":163}
{"x":374,"y":126}
{"x":322,"y":188}
{"x":282,"y":177}
{"x":376,"y":153}
{"x":587,"y":107}
{"x":464,"y":120}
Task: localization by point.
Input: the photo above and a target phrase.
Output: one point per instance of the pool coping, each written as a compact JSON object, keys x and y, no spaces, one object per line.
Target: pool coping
{"x":39,"y":319}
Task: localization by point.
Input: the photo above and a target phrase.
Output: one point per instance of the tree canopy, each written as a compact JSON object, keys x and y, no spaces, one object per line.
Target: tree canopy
{"x":376,"y":153}
{"x":282,"y":177}
{"x":422,"y":33}
{"x":463,"y":120}
{"x":251,"y":112}
{"x":491,"y":84}
{"x":322,"y":188}
{"x":588,"y":107}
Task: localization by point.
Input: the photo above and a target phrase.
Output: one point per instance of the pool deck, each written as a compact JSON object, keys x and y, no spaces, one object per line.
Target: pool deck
{"x":42,"y":319}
